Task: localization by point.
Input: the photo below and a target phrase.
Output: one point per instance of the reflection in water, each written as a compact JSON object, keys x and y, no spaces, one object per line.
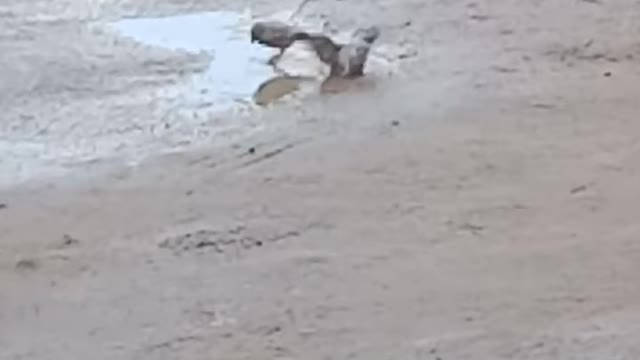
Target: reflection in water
{"x":335,"y":85}
{"x":278,"y":87}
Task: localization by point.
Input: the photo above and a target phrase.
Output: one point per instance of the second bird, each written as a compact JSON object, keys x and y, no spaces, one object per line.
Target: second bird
{"x":345,"y":60}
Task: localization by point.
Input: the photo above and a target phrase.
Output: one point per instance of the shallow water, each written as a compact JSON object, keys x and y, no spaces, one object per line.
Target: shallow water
{"x":237,"y":68}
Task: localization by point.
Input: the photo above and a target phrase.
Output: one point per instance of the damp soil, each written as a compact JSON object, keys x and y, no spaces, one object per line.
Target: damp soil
{"x":460,"y":212}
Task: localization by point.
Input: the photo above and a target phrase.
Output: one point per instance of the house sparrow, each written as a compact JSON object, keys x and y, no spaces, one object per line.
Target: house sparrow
{"x":274,"y":34}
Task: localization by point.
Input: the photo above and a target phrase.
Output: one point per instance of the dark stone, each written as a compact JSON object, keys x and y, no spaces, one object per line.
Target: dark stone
{"x":68,"y":240}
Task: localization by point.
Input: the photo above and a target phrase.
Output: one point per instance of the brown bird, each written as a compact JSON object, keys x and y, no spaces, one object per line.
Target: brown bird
{"x":275,"y":34}
{"x":345,"y":60}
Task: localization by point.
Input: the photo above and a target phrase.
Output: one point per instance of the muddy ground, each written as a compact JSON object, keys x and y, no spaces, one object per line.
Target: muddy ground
{"x":481,"y":204}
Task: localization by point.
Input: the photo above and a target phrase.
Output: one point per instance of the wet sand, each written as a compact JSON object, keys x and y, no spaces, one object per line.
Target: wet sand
{"x":478,"y":204}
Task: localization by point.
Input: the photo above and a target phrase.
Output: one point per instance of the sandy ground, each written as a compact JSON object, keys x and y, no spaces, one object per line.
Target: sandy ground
{"x":481,"y":205}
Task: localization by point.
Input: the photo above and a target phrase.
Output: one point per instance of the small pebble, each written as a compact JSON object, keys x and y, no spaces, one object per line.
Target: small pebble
{"x":252,"y":150}
{"x":3,"y":206}
{"x":607,"y":74}
{"x":395,"y":123}
{"x":68,"y":240}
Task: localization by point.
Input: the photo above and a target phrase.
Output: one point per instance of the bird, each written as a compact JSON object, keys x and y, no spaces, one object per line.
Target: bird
{"x":325,"y":48}
{"x":344,"y":60}
{"x":275,"y":34}
{"x":354,"y":55}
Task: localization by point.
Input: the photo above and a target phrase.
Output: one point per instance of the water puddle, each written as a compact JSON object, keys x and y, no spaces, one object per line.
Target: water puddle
{"x":238,"y":68}
{"x":238,"y":74}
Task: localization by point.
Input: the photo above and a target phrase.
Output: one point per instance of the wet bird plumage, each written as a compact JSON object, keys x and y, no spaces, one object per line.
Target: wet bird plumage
{"x":345,"y":60}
